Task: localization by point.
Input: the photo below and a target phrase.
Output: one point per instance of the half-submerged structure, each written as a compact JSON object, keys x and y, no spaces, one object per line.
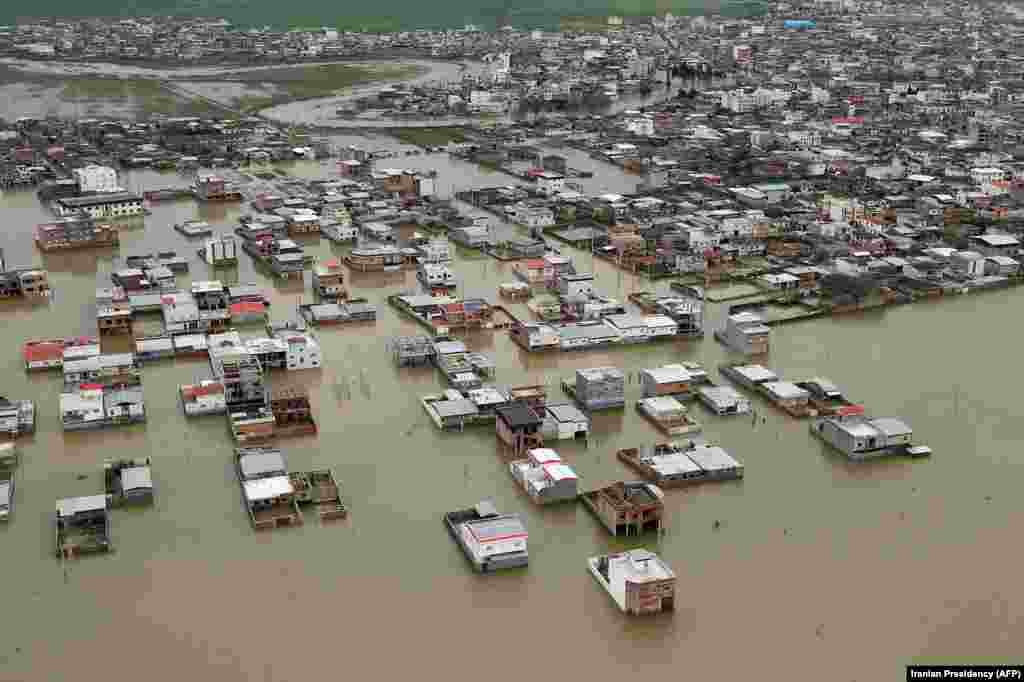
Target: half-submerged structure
{"x":860,"y":437}
{"x":628,"y":508}
{"x":267,"y":488}
{"x":668,"y":415}
{"x":491,"y":541}
{"x":128,"y":481}
{"x":320,"y":489}
{"x":412,"y":351}
{"x":205,"y":397}
{"x":94,"y":406}
{"x":638,"y":580}
{"x":675,"y":464}
{"x":597,"y":388}
{"x":17,"y":417}
{"x":6,"y":494}
{"x":723,"y":400}
{"x":745,"y":333}
{"x":329,"y":280}
{"x":545,"y":477}
{"x":82,"y":526}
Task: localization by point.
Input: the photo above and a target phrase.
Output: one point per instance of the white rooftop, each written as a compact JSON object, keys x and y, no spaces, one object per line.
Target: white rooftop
{"x":267,"y":488}
{"x":136,"y":478}
{"x":712,"y":458}
{"x":756,"y":373}
{"x":636,"y":566}
{"x":70,"y":506}
{"x":672,"y":464}
{"x":785,"y":390}
{"x":544,"y":456}
{"x":668,"y":374}
{"x":559,"y":472}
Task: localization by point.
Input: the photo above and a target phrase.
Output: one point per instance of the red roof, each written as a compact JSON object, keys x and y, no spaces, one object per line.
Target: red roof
{"x":850,"y":411}
{"x":248,"y":307}
{"x":43,"y":350}
{"x":195,"y":390}
{"x":80,"y":341}
{"x":453,"y":308}
{"x":535,"y":264}
{"x":91,"y":387}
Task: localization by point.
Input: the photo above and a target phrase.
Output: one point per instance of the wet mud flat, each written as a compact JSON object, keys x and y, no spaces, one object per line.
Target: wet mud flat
{"x":77,"y":89}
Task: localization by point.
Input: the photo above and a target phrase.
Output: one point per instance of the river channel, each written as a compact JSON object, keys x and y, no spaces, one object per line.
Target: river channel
{"x":817,"y":568}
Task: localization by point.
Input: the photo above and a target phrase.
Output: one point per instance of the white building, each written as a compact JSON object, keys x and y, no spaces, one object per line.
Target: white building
{"x":699,"y":239}
{"x":551,"y":183}
{"x":576,"y":287}
{"x":984,"y":177}
{"x":531,"y":216}
{"x":544,"y":476}
{"x":303,"y":350}
{"x":486,"y":101}
{"x":95,"y":178}
{"x":220,"y":251}
{"x":739,"y":101}
{"x":107,"y":205}
{"x":640,"y":125}
{"x":745,"y":333}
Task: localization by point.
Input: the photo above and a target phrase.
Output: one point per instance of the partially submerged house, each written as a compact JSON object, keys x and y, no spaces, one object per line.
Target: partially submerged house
{"x":267,"y":489}
{"x":412,"y":351}
{"x":745,"y":333}
{"x":724,"y":400}
{"x":128,"y":481}
{"x":491,"y":541}
{"x":111,"y":369}
{"x":292,"y":412}
{"x":860,"y":438}
{"x":628,"y":508}
{"x":545,"y":477}
{"x":519,"y":427}
{"x":668,"y":414}
{"x":17,"y":417}
{"x":329,"y":280}
{"x":450,"y":411}
{"x":564,"y":421}
{"x":638,"y":581}
{"x":6,"y":494}
{"x":598,"y":388}
{"x":673,"y":380}
{"x":82,"y":526}
{"x":93,"y":406}
{"x":675,"y":464}
{"x":205,"y":397}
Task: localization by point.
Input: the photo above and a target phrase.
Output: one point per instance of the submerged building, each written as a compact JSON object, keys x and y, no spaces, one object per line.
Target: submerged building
{"x":638,"y":581}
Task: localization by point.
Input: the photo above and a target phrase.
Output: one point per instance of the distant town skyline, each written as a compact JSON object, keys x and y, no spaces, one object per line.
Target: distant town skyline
{"x":406,"y":16}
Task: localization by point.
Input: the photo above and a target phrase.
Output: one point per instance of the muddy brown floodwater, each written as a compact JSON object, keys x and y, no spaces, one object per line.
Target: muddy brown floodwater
{"x":818,"y":569}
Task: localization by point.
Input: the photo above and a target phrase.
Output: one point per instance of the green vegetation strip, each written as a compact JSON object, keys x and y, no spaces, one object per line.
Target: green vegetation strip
{"x":429,"y":137}
{"x":148,"y":95}
{"x":309,"y":82}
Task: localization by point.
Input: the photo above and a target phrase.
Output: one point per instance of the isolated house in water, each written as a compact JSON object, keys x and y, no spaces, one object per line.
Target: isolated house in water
{"x":638,"y":581}
{"x":519,"y":427}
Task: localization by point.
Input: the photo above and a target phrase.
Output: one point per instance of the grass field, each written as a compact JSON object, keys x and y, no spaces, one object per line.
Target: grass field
{"x":309,"y":82}
{"x":146,"y":95}
{"x":288,"y":84}
{"x":429,"y":137}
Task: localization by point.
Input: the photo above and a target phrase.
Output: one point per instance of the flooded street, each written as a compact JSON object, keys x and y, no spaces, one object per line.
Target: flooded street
{"x":813,"y":555}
